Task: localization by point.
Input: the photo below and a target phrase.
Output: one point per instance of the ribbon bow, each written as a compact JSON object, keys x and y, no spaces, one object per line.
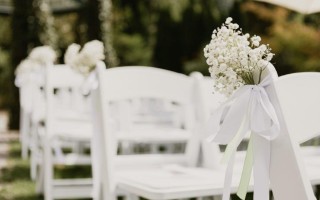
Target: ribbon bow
{"x":248,"y":109}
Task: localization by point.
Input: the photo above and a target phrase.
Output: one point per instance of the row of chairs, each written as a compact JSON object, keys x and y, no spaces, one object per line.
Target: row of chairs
{"x":138,"y":106}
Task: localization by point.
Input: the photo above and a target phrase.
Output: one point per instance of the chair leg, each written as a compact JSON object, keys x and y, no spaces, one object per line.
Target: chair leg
{"x":24,"y":131}
{"x":34,"y":154}
{"x":40,"y":181}
{"x":33,"y":166}
{"x":48,"y":170}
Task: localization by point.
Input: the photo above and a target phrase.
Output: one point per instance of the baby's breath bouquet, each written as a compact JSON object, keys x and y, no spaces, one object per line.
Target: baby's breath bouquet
{"x":234,"y":58}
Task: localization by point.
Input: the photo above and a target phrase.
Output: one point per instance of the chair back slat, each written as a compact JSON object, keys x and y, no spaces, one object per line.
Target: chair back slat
{"x":299,"y":96}
{"x":63,"y":76}
{"x":286,"y":182}
{"x":146,"y":82}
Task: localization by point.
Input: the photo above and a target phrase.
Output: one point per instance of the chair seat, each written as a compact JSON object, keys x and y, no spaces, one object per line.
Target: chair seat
{"x":173,"y":182}
{"x":71,"y":114}
{"x":159,"y":135}
{"x":72,"y":188}
{"x":311,"y":157}
{"x":82,"y":130}
{"x":73,"y":159}
{"x":139,"y":161}
{"x":73,"y":130}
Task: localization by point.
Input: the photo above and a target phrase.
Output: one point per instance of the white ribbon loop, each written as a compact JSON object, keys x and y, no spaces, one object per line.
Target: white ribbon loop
{"x":264,"y":120}
{"x":90,"y":83}
{"x":249,"y":109}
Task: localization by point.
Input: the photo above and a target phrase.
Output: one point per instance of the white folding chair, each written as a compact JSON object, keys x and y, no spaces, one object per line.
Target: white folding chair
{"x":29,"y":84}
{"x":125,"y":83}
{"x":64,"y":124}
{"x":299,"y":96}
{"x":135,"y":115}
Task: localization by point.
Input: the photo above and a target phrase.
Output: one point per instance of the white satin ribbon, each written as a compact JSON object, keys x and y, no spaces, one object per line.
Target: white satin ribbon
{"x":90,"y":83}
{"x":249,"y":109}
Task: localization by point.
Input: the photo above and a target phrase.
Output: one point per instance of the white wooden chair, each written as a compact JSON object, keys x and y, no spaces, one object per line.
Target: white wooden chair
{"x":297,"y":117}
{"x":68,"y":125}
{"x":28,"y":83}
{"x":179,"y":182}
{"x":299,"y":96}
{"x":125,"y":83}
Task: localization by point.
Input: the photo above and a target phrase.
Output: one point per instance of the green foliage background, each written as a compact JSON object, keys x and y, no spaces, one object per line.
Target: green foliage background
{"x":171,"y":34}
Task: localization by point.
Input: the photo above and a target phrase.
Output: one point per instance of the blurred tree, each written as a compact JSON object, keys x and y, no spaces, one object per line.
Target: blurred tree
{"x":93,"y":9}
{"x":99,"y":15}
{"x":19,"y":51}
{"x":168,"y":51}
{"x":43,"y":24}
{"x":5,"y":88}
{"x":296,"y":44}
{"x":180,"y":40}
{"x":106,"y":17}
{"x":134,"y":31}
{"x":225,"y":6}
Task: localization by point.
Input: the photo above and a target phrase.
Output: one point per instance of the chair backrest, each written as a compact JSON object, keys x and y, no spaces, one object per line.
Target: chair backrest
{"x":58,"y":77}
{"x":288,"y":177}
{"x":136,"y":82}
{"x":210,"y":99}
{"x":299,"y":96}
{"x":207,"y":102}
{"x":131,"y":83}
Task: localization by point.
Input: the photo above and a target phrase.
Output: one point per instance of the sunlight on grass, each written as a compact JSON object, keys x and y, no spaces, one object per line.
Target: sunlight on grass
{"x":15,"y":183}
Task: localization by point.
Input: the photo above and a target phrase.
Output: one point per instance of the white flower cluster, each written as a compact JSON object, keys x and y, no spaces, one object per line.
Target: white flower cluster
{"x":235,"y":58}
{"x":85,"y":60}
{"x":38,"y":58}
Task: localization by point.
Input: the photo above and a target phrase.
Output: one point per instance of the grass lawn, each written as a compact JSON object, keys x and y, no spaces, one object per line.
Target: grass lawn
{"x":15,"y":182}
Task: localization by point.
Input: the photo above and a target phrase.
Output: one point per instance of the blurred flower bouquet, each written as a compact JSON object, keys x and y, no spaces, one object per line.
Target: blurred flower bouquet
{"x":38,"y":58}
{"x":235,"y":59}
{"x":85,"y":60}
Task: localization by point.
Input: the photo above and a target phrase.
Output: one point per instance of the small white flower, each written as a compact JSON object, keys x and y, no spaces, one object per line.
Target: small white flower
{"x":269,"y":57}
{"x":71,"y":53}
{"x":255,"y":40}
{"x":228,"y":20}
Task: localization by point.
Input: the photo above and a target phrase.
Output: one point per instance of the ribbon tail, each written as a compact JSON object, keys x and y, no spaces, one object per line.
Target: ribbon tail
{"x":229,"y":156}
{"x":228,"y":179}
{"x":261,"y":165}
{"x":246,"y":172}
{"x":234,"y":118}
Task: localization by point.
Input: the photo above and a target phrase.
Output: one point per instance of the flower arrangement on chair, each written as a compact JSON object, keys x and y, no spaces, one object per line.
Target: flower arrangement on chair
{"x":238,"y":63}
{"x":84,"y":61}
{"x":38,"y":57}
{"x":235,"y":57}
